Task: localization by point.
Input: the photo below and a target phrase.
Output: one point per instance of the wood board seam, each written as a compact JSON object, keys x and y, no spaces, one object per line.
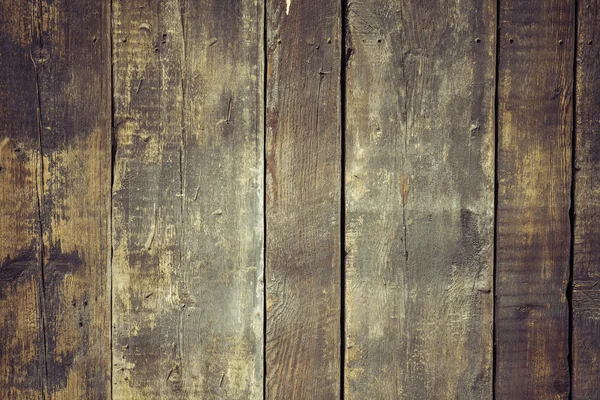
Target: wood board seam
{"x":572,"y":214}
{"x":344,"y":64}
{"x":495,"y":231}
{"x":113,"y":152}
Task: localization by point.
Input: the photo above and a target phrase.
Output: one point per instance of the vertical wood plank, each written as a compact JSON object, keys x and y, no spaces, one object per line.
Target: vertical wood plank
{"x":188,"y":302}
{"x":586,"y":258}
{"x":22,"y":370}
{"x":419,"y":199}
{"x":303,"y":199}
{"x":535,"y":86}
{"x":74,"y":78}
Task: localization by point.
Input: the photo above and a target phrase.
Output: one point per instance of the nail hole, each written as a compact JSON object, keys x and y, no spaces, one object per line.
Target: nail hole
{"x":477,"y":40}
{"x":378,"y":40}
{"x":81,"y":324}
{"x":560,"y":42}
{"x":511,"y":41}
{"x":94,"y":39}
{"x":591,"y":42}
{"x":18,"y":150}
{"x":123,"y":39}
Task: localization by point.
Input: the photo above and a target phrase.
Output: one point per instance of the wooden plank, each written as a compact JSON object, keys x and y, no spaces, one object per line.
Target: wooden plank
{"x":419,"y":199}
{"x":586,"y":256}
{"x":535,"y":89}
{"x":188,"y":296}
{"x":74,"y":79}
{"x":22,"y":370}
{"x":303,"y":200}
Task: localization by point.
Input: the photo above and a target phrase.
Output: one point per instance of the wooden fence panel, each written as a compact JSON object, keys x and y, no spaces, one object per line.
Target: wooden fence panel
{"x":74,"y":81}
{"x":22,"y":369}
{"x":419,"y":199}
{"x":535,"y":110}
{"x":187,"y":229}
{"x":303,"y":199}
{"x":299,"y":199}
{"x":61,"y":130}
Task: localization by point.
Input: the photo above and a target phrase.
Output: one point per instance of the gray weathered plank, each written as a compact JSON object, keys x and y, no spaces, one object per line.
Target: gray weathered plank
{"x":303,"y":199}
{"x":419,"y":199}
{"x":586,"y":257}
{"x":535,"y":110}
{"x":187,"y":226}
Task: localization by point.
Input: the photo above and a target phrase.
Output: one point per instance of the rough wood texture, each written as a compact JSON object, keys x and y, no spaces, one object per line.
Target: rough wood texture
{"x":419,"y":199}
{"x":73,"y":71}
{"x":22,"y":370}
{"x":303,"y":199}
{"x":188,"y":199}
{"x":586,"y":257}
{"x":59,"y":56}
{"x":535,"y":88}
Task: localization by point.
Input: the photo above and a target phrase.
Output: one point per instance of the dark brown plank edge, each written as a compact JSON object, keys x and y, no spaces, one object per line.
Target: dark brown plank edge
{"x":188,"y":199}
{"x":22,"y":370}
{"x":535,"y":118}
{"x":61,"y":134}
{"x":419,"y":199}
{"x":303,"y":199}
{"x":586,"y":256}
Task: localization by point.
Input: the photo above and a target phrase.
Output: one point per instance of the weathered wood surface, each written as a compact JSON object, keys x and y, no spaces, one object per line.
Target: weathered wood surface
{"x":140,"y":243}
{"x":187,"y":227}
{"x":22,"y":372}
{"x":419,"y":200}
{"x":535,"y":111}
{"x":73,"y":69}
{"x":59,"y":130}
{"x":303,"y":199}
{"x":586,"y":257}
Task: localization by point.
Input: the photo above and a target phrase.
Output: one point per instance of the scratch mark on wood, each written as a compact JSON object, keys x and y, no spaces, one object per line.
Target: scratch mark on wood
{"x":152,"y":230}
{"x":228,"y":112}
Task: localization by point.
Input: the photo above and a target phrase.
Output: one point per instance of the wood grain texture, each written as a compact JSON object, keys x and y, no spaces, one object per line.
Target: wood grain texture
{"x":303,"y":199}
{"x":56,"y":146}
{"x":188,"y":302}
{"x":419,"y":199}
{"x":586,"y":257}
{"x":22,"y":371}
{"x":535,"y":89}
{"x":73,"y":72}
